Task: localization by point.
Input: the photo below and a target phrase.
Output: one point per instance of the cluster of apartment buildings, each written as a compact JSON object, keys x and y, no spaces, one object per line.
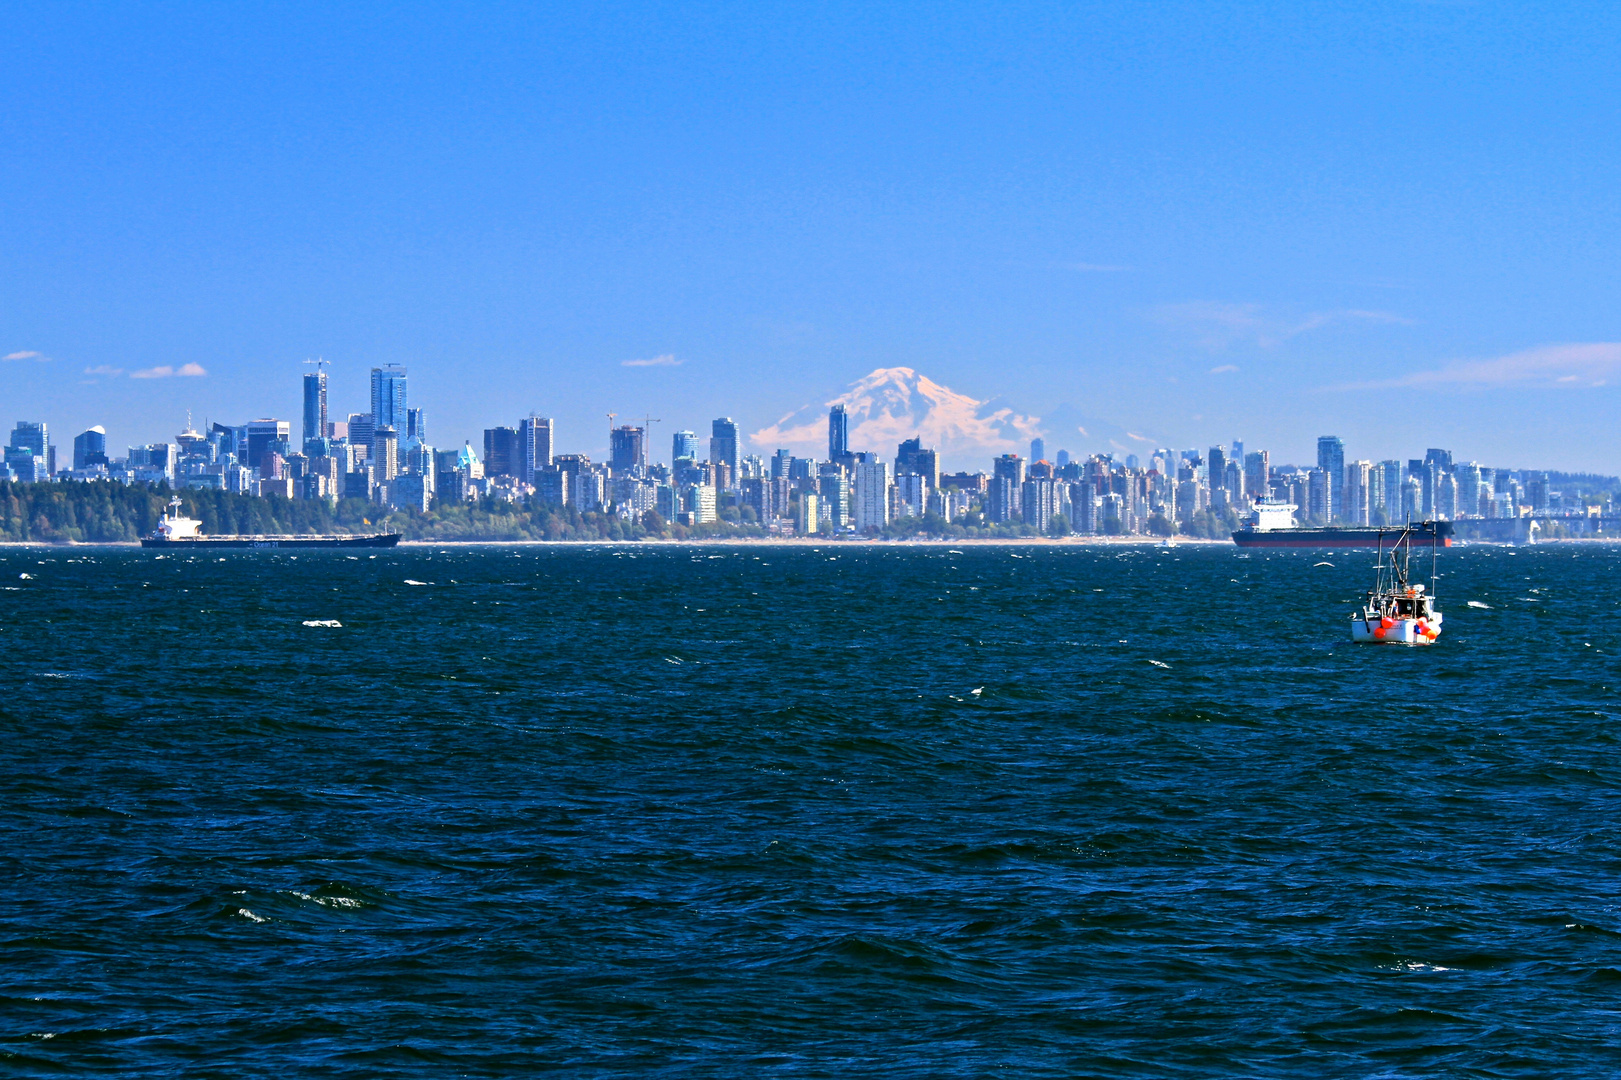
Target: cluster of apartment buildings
{"x":383,"y":456}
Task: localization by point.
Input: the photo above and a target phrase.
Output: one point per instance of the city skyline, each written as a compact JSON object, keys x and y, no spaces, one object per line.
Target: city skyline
{"x":1180,"y":220}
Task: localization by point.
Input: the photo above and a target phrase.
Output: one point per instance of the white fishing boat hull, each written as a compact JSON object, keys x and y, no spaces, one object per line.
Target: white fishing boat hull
{"x":1400,"y":632}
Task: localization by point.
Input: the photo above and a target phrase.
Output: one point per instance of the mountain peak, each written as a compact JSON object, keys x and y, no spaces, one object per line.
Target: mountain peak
{"x":892,"y":404}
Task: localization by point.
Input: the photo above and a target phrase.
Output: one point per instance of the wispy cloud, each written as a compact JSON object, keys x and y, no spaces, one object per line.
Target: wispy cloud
{"x":1223,"y":369}
{"x":104,"y":369}
{"x":165,"y":371}
{"x":667,"y":360}
{"x":26,"y":354}
{"x":1217,"y":325}
{"x":1575,"y":365}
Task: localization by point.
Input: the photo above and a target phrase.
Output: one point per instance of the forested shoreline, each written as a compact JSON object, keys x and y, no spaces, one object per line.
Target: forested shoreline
{"x":104,"y":512}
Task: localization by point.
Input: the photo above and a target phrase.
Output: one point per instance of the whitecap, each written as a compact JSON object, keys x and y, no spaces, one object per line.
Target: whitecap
{"x":25,"y":577}
{"x":1160,"y":663}
{"x":322,"y":622}
{"x":412,"y":581}
{"x":246,"y":914}
{"x":1478,"y":604}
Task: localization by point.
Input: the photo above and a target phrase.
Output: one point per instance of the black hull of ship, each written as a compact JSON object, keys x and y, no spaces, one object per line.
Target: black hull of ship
{"x":1419,"y":536}
{"x":379,"y":540}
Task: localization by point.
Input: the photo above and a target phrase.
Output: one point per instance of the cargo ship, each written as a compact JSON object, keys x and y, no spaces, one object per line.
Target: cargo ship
{"x":1272,"y":525}
{"x":177,"y":531}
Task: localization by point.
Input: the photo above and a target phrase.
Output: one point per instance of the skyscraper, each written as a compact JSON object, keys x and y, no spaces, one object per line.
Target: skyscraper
{"x":502,"y":455}
{"x":535,"y":446}
{"x":684,"y":447}
{"x":627,"y":449}
{"x":723,"y":444}
{"x":266,"y":437}
{"x":90,"y":448}
{"x":315,"y":405}
{"x":870,"y":494}
{"x":1331,"y":459}
{"x":838,"y":433}
{"x":1038,"y":449}
{"x":388,"y":406}
{"x":30,"y":452}
{"x":385,"y":453}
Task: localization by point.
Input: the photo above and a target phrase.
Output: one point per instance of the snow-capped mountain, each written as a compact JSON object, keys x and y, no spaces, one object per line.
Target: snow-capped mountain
{"x":894,"y":404}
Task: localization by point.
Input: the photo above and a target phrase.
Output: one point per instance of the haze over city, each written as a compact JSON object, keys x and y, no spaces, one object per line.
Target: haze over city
{"x":1393,"y":222}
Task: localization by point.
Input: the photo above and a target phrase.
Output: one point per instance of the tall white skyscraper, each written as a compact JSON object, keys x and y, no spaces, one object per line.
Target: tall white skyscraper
{"x":870,"y":494}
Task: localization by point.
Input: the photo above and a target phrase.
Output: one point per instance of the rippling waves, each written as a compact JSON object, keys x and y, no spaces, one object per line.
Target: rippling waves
{"x":765,"y":810}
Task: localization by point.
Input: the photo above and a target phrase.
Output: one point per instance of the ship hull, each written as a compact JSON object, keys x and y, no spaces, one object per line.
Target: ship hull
{"x":378,"y":540}
{"x":1334,"y":538}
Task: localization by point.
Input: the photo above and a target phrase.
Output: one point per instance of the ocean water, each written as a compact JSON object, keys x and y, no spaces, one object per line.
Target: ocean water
{"x":769,"y":811}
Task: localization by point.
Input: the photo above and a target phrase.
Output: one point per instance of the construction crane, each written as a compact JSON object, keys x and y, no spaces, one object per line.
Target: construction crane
{"x":647,"y":438}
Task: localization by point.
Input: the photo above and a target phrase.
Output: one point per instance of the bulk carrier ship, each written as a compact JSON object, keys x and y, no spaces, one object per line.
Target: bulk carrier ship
{"x":1272,"y":525}
{"x":175,"y":531}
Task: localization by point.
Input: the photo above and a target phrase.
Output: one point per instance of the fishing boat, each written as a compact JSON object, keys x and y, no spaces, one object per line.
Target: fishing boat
{"x":1399,"y":610}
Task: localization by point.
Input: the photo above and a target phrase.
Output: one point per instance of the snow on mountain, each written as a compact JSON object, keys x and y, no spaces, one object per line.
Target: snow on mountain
{"x":894,"y":404}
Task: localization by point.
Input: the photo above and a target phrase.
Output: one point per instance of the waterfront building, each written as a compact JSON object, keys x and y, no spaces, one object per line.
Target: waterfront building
{"x":698,"y":505}
{"x":870,"y":493}
{"x":1359,"y":482}
{"x":1038,"y":501}
{"x":833,"y":485}
{"x":807,"y":516}
{"x":684,"y":447}
{"x":911,"y":495}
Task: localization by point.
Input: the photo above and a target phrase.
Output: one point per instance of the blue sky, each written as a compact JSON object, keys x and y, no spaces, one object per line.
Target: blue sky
{"x":1396,"y":222}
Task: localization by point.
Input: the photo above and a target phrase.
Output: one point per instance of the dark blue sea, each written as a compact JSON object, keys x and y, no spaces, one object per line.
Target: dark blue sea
{"x":823,"y":812}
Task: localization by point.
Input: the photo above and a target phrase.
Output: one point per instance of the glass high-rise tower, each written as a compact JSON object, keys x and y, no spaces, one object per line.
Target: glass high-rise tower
{"x":838,"y":433}
{"x":315,"y":405}
{"x":388,"y":407}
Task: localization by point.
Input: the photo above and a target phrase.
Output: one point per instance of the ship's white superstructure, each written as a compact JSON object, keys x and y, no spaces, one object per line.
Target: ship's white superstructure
{"x":173,"y":526}
{"x":1270,"y":514}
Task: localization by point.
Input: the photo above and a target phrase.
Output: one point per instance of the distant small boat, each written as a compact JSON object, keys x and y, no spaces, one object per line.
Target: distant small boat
{"x":176,"y":531}
{"x":1398,"y":610}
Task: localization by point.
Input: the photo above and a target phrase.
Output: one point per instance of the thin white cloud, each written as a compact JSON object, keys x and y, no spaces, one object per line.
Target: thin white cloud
{"x":165,"y":371}
{"x":667,"y":360}
{"x":104,"y":369}
{"x":1573,"y":365}
{"x":1218,"y":325}
{"x":26,"y":354}
{"x":1223,"y":369}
